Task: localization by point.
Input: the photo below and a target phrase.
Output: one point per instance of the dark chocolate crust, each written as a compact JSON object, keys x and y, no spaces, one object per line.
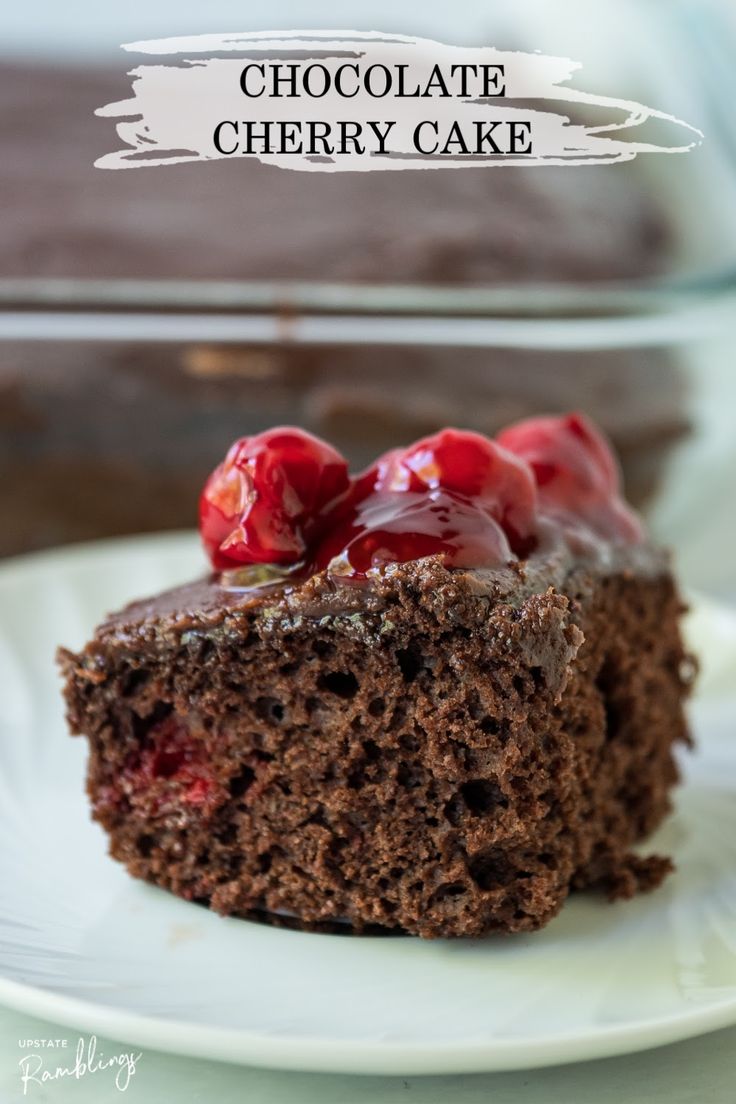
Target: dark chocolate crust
{"x":446,"y":753}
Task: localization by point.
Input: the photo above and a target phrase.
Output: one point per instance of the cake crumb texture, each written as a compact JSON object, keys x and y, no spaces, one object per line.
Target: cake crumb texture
{"x":447,"y":757}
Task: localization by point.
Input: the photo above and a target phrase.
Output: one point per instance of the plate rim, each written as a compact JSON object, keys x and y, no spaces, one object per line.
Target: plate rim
{"x":386,"y":1057}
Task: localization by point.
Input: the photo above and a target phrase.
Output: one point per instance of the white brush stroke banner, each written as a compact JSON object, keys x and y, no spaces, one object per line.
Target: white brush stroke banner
{"x":193,"y":108}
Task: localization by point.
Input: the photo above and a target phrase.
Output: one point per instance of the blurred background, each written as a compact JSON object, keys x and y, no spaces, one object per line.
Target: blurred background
{"x":149,"y":317}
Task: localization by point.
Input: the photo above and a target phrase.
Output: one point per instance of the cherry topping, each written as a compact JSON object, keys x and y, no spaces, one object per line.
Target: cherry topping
{"x":396,"y":526}
{"x":284,"y":499}
{"x":469,"y":465}
{"x":455,"y":494}
{"x":262,"y":503}
{"x":576,"y":473}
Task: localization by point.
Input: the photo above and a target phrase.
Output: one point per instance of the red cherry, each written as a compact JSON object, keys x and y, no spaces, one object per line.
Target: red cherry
{"x":456,"y":494}
{"x":262,"y":503}
{"x":576,"y":472}
{"x":173,"y":755}
{"x":469,"y":465}
{"x":199,"y":792}
{"x":397,"y":526}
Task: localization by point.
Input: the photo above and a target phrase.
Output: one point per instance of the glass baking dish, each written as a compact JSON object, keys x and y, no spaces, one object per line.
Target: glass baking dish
{"x":149,"y":317}
{"x":112,"y":414}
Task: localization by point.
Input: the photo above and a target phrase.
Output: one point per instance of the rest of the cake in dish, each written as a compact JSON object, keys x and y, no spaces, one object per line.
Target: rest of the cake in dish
{"x":435,"y":697}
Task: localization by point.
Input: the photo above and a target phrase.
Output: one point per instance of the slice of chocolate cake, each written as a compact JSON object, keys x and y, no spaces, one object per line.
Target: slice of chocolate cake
{"x":435,"y":697}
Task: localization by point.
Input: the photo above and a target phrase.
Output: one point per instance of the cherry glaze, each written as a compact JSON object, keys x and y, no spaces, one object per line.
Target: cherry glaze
{"x":284,"y":497}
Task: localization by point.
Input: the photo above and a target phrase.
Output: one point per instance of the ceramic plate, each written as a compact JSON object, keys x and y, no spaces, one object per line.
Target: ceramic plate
{"x":84,"y":945}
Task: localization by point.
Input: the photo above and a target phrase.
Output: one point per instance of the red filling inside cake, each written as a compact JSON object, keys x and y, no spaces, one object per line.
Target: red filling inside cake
{"x":170,"y":765}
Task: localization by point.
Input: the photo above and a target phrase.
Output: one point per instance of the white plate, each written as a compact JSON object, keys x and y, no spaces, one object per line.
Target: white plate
{"x":83,"y":944}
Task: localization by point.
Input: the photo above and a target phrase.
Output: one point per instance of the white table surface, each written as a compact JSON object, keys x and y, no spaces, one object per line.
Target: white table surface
{"x":699,"y":1071}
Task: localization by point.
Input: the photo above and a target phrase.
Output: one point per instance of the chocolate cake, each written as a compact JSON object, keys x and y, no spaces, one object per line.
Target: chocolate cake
{"x":109,"y":420}
{"x":435,"y":698}
{"x":62,"y":217}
